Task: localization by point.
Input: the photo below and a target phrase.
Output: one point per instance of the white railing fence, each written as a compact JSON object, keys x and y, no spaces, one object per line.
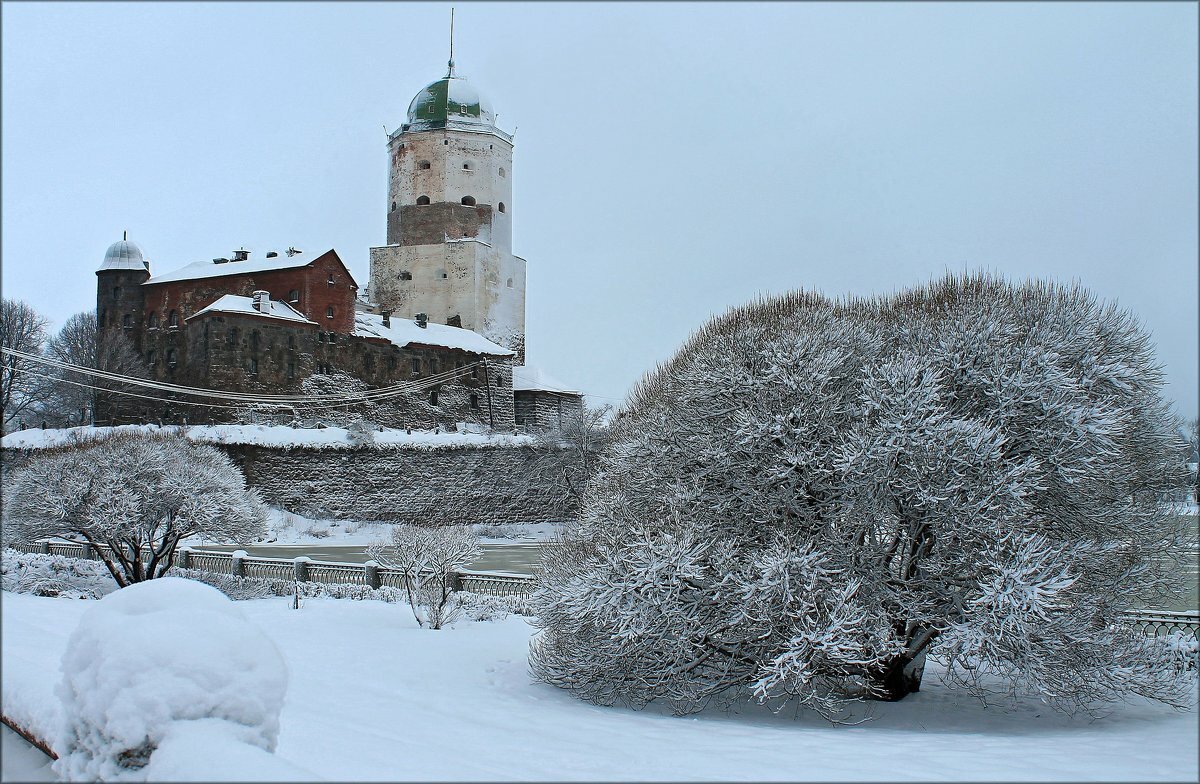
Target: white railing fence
{"x":300,"y":569}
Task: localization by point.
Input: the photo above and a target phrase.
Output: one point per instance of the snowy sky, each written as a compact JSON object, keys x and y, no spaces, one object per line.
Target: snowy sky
{"x":672,"y":160}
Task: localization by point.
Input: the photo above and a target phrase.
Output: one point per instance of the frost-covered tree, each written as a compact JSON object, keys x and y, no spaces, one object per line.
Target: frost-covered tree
{"x":68,"y":398}
{"x":133,"y":491}
{"x":813,"y":496}
{"x":564,"y":458}
{"x":21,"y":328}
{"x":427,"y":559}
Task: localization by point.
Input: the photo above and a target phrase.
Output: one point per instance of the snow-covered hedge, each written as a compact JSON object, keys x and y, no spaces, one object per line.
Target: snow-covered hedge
{"x":54,"y":575}
{"x":151,"y":656}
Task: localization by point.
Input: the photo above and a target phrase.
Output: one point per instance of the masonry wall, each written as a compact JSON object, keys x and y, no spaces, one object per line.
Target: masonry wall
{"x":418,"y":486}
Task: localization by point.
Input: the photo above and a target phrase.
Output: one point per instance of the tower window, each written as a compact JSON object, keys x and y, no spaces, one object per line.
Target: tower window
{"x":475,"y":401}
{"x":291,"y":368}
{"x":501,"y":171}
{"x":442,"y":274}
{"x":502,"y":206}
{"x":423,"y":165}
{"x":232,"y":336}
{"x":445,"y":141}
{"x":416,"y":366}
{"x":508,"y":283}
{"x":173,"y":319}
{"x":116,"y":291}
{"x":433,"y":396}
{"x":291,"y":342}
{"x":468,"y":200}
{"x":467,"y":166}
{"x":152,"y":319}
{"x":329,"y":312}
{"x":294,"y":295}
{"x":254,"y":367}
{"x":422,"y":200}
{"x":393,"y":206}
{"x":405,"y":275}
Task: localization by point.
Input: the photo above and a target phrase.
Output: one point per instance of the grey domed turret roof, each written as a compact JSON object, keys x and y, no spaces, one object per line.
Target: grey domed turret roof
{"x":123,"y":255}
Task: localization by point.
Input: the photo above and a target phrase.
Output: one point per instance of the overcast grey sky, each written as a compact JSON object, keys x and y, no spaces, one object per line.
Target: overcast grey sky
{"x":672,"y":160}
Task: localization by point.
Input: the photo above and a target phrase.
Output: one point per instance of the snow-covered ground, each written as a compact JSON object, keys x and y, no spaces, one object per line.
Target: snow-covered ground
{"x":372,"y":697}
{"x":273,"y":436}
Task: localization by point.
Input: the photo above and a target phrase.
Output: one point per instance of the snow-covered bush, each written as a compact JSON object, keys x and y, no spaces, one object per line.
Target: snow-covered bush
{"x":427,"y":559}
{"x":812,"y":496}
{"x":54,"y":575}
{"x":133,"y":491}
{"x":153,"y":655}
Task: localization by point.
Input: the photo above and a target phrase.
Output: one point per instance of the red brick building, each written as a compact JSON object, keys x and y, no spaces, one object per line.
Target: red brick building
{"x":269,"y":325}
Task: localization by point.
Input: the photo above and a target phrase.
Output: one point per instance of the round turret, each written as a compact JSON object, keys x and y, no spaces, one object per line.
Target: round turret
{"x":123,"y":255}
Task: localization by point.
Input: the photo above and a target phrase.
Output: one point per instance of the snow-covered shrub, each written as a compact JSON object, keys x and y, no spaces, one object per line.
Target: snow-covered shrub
{"x":812,"y":496}
{"x":152,"y":655}
{"x":133,"y":491}
{"x":427,"y":558}
{"x":54,"y":575}
{"x":497,"y":531}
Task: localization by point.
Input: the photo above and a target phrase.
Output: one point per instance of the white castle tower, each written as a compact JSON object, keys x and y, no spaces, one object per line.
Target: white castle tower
{"x":449,"y":218}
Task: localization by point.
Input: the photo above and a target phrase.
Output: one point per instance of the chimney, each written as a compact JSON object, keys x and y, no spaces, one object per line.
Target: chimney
{"x":262,"y":301}
{"x":422,"y":320}
{"x":241,"y":254}
{"x":272,"y":254}
{"x":387,"y":318}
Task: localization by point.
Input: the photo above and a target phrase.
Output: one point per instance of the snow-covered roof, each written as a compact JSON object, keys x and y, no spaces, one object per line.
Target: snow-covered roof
{"x":123,"y":255}
{"x":209,"y":269}
{"x":531,"y":379}
{"x":231,"y":303}
{"x":405,"y":331}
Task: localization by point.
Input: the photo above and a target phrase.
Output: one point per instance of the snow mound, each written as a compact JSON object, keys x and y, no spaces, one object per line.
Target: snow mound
{"x":152,"y":655}
{"x":214,"y":750}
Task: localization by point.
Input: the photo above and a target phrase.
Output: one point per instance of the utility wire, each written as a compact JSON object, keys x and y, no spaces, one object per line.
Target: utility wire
{"x":347,"y":398}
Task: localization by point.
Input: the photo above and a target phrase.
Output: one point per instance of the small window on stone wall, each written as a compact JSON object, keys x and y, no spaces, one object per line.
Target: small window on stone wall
{"x":291,"y":368}
{"x":467,"y":167}
{"x":508,"y":283}
{"x":116,"y":291}
{"x":423,"y":165}
{"x":320,"y":337}
{"x":422,"y":200}
{"x":416,"y":366}
{"x":332,"y":336}
{"x":393,"y":206}
{"x":468,"y":200}
{"x":433,"y":396}
{"x":442,"y":274}
{"x":501,"y":171}
{"x":405,"y":275}
{"x":254,"y":367}
{"x":173,"y":319}
{"x":329,"y":312}
{"x":151,"y":358}
{"x":474,"y":401}
{"x":330,"y":280}
{"x":127,"y":320}
{"x":294,"y":296}
{"x":152,"y":319}
{"x":172,"y":358}
{"x":502,"y":206}
{"x":291,"y":342}
{"x":231,"y":337}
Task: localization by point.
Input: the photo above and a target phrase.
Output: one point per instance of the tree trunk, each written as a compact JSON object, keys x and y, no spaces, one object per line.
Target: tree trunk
{"x":901,"y":678}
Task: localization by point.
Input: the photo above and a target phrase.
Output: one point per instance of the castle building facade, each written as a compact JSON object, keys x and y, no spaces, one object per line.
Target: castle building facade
{"x":445,"y":294}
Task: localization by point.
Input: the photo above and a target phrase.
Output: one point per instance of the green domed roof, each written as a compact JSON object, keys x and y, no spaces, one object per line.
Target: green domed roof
{"x":450,"y":102}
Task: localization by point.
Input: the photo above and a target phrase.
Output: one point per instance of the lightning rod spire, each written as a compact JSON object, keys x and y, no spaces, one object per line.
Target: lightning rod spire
{"x":451,"y":63}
